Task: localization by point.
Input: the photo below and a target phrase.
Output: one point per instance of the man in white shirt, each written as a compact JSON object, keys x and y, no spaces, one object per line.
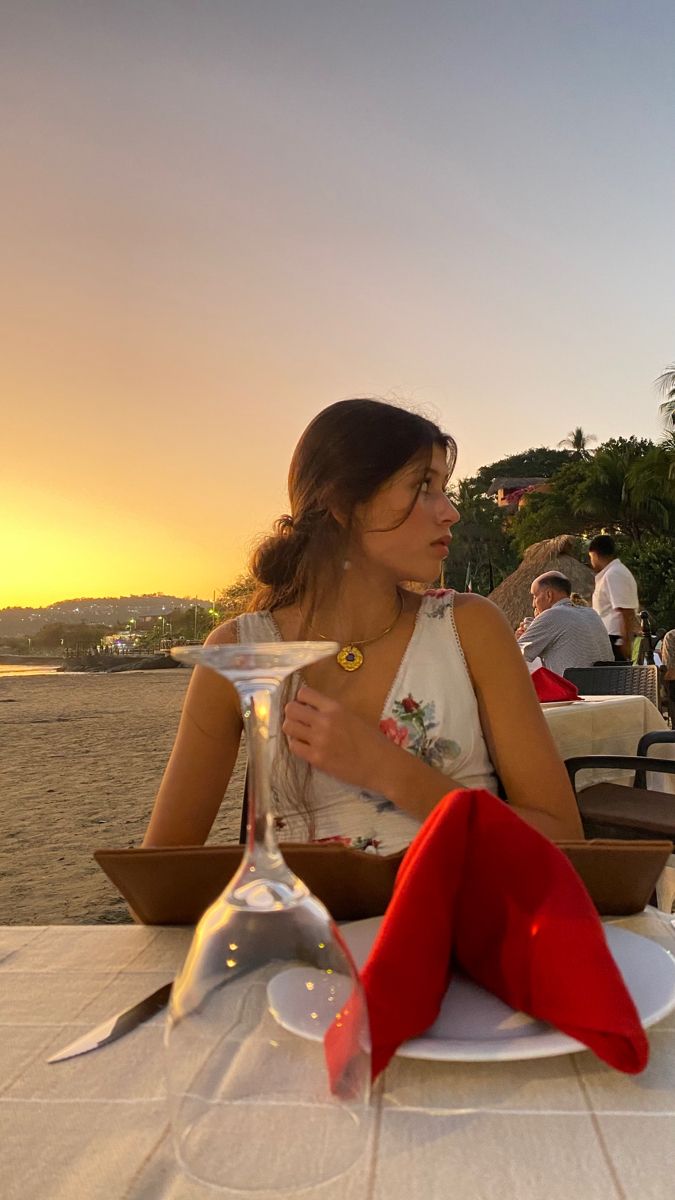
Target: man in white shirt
{"x":615,"y":598}
{"x":562,"y":633}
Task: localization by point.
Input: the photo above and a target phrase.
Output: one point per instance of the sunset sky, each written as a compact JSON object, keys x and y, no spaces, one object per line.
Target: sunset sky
{"x":219,"y":216}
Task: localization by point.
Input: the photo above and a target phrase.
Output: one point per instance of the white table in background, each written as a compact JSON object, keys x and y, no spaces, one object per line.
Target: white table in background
{"x":608,"y":725}
{"x":95,"y":1127}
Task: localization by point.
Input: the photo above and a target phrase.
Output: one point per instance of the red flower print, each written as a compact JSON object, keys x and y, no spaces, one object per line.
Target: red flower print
{"x":396,"y":733}
{"x":409,"y":704}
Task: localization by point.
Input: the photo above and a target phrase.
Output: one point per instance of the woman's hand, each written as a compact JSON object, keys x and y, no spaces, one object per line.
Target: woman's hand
{"x":326,"y":735}
{"x":332,"y":739}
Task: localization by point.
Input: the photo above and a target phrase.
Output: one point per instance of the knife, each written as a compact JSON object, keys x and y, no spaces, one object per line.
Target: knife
{"x":116,"y":1027}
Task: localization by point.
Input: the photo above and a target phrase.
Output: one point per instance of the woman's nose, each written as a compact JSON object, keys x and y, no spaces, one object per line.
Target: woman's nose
{"x":448,"y":513}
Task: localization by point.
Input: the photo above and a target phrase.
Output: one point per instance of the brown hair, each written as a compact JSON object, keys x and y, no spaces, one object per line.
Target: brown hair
{"x":347,"y":452}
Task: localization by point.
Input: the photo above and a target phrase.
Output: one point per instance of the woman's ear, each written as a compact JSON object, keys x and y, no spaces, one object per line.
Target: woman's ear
{"x":341,"y":519}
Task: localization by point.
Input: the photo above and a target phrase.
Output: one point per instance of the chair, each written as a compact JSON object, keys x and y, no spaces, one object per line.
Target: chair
{"x":617,"y":810}
{"x":616,"y":680}
{"x":659,"y":737}
{"x":614,"y":810}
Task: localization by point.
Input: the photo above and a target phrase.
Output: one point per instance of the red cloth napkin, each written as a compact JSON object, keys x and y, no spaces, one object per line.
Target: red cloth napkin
{"x":481,"y":889}
{"x":550,"y":686}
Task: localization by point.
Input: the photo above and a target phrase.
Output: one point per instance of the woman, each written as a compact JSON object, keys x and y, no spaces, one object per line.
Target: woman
{"x":428,"y":693}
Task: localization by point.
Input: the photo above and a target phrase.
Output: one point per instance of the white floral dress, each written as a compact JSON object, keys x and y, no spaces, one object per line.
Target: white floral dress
{"x":431,"y":711}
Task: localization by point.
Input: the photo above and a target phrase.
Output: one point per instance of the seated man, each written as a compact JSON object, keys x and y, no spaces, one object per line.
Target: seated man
{"x":563,"y":634}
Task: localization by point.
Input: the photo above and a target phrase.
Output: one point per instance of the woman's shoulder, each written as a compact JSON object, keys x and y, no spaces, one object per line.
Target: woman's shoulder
{"x":257,"y":626}
{"x":478,"y":618}
{"x":225,"y":634}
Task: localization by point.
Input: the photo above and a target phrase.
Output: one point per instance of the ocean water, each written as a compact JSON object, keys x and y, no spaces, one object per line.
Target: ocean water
{"x":81,"y":759}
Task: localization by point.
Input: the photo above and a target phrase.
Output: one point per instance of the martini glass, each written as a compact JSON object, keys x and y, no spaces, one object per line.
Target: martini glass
{"x":252,"y":1109}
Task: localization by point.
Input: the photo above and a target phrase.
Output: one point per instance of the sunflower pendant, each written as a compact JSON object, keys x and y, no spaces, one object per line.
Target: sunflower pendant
{"x":350,"y":658}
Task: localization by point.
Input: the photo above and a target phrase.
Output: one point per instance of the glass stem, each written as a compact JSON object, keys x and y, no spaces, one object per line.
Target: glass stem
{"x":258,"y":704}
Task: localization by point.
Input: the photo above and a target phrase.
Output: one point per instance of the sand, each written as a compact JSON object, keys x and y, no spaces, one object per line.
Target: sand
{"x":81,"y":758}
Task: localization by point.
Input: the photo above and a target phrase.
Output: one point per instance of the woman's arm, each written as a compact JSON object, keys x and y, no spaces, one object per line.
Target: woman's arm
{"x":203,"y":755}
{"x":518,"y":739}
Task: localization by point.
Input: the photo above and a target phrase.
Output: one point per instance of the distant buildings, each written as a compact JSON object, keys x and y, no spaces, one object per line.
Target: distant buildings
{"x":113,"y":611}
{"x":509,"y":492}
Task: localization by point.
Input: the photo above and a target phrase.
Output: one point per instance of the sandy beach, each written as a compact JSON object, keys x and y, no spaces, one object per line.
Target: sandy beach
{"x":81,"y":757}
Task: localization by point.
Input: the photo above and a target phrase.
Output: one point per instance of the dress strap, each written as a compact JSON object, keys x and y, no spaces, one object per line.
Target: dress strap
{"x":257,"y":627}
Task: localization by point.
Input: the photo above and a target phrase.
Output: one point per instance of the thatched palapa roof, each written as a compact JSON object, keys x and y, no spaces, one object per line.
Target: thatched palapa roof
{"x":555,"y":554}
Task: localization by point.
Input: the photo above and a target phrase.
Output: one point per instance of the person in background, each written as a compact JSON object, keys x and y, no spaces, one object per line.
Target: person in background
{"x":562,"y":634}
{"x":667,"y":651}
{"x":578,"y":599}
{"x":615,"y":598}
{"x":413,"y":705}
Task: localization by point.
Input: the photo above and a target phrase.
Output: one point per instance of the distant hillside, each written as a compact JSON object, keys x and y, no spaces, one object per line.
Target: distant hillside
{"x":116,"y":611}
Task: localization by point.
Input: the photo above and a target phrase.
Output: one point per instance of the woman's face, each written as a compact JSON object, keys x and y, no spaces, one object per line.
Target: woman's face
{"x":414,"y":547}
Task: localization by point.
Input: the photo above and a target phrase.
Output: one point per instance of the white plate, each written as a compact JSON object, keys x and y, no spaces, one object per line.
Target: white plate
{"x":473,"y":1025}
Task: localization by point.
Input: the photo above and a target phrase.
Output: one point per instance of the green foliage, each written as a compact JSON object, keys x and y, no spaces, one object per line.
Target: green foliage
{"x":609,"y":493}
{"x":652,"y":562}
{"x":578,"y":442}
{"x":546,"y":514}
{"x":234,"y":599}
{"x":480,"y":542}
{"x":57,"y":636}
{"x":193,"y":624}
{"x":626,"y":488}
{"x":15,"y":645}
{"x":665,"y":385}
{"x":539,"y":462}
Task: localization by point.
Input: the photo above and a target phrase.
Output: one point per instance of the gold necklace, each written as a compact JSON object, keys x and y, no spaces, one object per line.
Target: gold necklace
{"x":349,"y":656}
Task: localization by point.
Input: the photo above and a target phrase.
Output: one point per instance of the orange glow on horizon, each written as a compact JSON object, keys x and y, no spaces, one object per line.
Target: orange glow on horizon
{"x":51,"y":552}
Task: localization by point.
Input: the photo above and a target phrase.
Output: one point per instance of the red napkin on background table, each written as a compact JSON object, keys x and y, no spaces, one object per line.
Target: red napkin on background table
{"x":480,"y":889}
{"x":550,"y":686}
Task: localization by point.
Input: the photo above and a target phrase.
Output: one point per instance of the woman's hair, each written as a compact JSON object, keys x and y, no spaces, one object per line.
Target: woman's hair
{"x":344,"y":456}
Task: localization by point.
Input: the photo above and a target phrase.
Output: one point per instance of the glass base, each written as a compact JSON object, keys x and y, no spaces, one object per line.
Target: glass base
{"x":252,"y":1107}
{"x":271,"y":1147}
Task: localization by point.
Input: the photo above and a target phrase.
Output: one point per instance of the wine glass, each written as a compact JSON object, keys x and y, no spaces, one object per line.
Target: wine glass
{"x":252,"y":1108}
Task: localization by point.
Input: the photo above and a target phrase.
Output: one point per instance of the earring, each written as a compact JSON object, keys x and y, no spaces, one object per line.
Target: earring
{"x":346,"y":565}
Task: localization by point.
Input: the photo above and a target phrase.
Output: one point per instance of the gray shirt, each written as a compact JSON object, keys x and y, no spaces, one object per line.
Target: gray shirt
{"x":566,"y":635}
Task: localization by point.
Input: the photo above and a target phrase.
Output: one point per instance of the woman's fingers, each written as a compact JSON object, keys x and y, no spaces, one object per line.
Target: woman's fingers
{"x":313,"y":699}
{"x":301,"y":714}
{"x":296,"y":731}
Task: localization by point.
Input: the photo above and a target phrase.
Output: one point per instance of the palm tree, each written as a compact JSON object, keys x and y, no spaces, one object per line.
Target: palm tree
{"x":665,"y":385}
{"x":577,"y":441}
{"x":627,"y":488}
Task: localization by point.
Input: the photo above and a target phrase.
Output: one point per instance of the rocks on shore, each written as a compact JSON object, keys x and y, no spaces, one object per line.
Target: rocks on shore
{"x":114,"y":663}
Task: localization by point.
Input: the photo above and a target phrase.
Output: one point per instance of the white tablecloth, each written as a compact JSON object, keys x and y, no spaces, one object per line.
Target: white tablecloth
{"x":95,"y":1127}
{"x":608,"y":725}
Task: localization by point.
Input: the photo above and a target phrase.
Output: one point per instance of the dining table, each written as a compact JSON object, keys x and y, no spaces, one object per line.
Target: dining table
{"x":96,"y":1127}
{"x":608,"y":725}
